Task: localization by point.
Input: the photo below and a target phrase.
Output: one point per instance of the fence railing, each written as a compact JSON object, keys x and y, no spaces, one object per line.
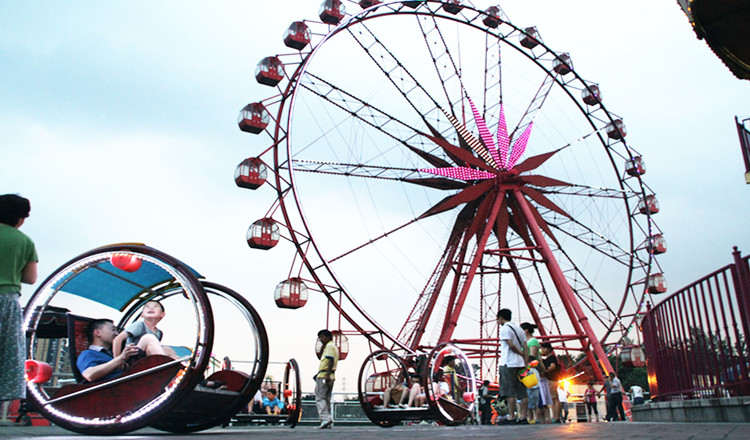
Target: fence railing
{"x":696,"y":339}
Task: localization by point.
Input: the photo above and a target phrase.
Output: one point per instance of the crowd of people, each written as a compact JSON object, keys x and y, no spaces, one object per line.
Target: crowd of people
{"x":541,"y":398}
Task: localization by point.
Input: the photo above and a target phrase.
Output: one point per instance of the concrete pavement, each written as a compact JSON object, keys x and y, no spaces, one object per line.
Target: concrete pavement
{"x":577,"y":431}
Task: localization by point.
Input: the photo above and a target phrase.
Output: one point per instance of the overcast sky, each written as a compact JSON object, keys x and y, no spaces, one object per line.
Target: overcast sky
{"x":118,"y":121}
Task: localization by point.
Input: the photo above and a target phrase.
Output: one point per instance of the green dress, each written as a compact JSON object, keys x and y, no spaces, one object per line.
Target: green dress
{"x":17,"y":250}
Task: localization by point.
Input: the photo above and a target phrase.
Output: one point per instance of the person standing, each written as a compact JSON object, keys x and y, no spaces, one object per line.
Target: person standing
{"x":589,"y":397}
{"x":485,"y":403}
{"x":514,"y":354}
{"x":607,"y":388}
{"x":324,"y":379}
{"x":553,"y":375}
{"x":615,"y":398}
{"x":17,"y":265}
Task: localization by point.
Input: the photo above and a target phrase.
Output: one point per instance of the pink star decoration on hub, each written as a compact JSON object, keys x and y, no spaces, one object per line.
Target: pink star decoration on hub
{"x":496,"y":157}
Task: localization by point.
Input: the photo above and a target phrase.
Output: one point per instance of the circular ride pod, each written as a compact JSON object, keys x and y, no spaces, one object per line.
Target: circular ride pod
{"x":379,"y":379}
{"x":236,"y":370}
{"x":450,"y":384}
{"x":292,"y":393}
{"x":103,"y":283}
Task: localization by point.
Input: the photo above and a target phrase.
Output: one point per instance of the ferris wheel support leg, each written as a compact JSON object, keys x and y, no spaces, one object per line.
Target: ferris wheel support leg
{"x":451,"y":323}
{"x":577,"y":317}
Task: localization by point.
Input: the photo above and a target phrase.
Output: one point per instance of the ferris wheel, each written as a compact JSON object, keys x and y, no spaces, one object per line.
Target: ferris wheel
{"x":434,"y":163}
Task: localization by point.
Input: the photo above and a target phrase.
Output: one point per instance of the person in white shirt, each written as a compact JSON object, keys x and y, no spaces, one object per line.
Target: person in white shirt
{"x":636,"y":393}
{"x":614,"y":400}
{"x":562,"y":396}
{"x":513,"y":358}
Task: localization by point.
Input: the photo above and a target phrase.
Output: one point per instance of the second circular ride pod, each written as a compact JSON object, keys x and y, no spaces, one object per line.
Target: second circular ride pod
{"x":450,"y":384}
{"x":238,"y":366}
{"x":101,"y":284}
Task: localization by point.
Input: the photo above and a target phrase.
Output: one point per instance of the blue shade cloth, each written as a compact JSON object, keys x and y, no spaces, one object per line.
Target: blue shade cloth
{"x":114,"y":287}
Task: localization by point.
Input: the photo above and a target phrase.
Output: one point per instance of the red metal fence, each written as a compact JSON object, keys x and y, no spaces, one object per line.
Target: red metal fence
{"x":696,"y":339}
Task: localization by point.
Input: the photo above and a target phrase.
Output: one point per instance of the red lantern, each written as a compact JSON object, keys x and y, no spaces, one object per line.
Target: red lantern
{"x":37,"y":371}
{"x":126,"y":262}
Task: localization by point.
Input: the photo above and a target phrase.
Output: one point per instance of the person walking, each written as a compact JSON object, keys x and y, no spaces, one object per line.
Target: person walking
{"x":324,"y":379}
{"x":17,"y":265}
{"x":514,"y":355}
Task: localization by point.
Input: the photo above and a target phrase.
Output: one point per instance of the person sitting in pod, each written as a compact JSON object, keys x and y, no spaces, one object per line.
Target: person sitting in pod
{"x":144,"y":334}
{"x":97,"y":362}
{"x":271,"y":404}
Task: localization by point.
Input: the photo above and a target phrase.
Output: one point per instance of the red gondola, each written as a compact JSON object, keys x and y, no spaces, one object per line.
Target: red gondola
{"x":591,"y":95}
{"x":364,"y":4}
{"x":270,"y":71}
{"x":656,"y":244}
{"x":297,"y":36}
{"x":492,"y":17}
{"x":251,"y":173}
{"x":291,"y":294}
{"x":635,"y":166}
{"x":656,"y":283}
{"x":253,"y":118}
{"x":331,"y":11}
{"x":263,"y":234}
{"x":453,"y":6}
{"x":530,"y":37}
{"x":562,"y":64}
{"x":648,"y":205}
{"x":339,"y":340}
{"x":616,"y":129}
{"x":633,"y":356}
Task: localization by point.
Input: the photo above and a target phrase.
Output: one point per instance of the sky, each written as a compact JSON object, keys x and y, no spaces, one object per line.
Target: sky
{"x":118,"y":122}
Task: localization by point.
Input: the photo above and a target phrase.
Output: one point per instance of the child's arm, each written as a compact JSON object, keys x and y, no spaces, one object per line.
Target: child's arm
{"x":117,"y":344}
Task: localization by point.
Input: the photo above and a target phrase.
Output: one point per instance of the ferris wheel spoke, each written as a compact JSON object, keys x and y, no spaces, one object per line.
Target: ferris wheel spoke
{"x":592,"y":192}
{"x":394,"y":69}
{"x":589,"y":295}
{"x":570,"y":227}
{"x":534,"y":107}
{"x":433,"y":36}
{"x":389,"y":125}
{"x":347,"y":170}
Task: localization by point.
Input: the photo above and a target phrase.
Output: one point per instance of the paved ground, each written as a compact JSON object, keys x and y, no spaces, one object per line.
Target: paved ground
{"x":614,"y":431}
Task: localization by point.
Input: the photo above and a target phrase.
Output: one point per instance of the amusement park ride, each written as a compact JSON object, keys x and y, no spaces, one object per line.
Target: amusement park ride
{"x":433,"y":163}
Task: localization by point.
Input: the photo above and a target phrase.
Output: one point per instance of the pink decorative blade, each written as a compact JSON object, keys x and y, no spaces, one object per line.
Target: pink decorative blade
{"x":503,"y":142}
{"x":473,"y":142}
{"x":485,"y":134}
{"x":519,"y":146}
{"x":462,"y":173}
